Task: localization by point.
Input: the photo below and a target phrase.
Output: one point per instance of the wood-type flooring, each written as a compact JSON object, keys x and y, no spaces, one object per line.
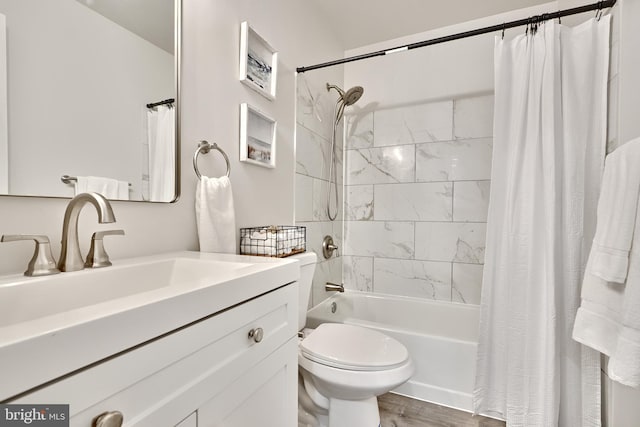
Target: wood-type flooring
{"x":400,"y":411}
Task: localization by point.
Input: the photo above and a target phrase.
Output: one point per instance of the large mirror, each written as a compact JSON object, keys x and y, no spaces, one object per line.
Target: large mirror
{"x":88,"y":98}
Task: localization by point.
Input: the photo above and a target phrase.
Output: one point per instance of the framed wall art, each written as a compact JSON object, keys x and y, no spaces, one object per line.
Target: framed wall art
{"x":258,"y":62}
{"x":257,"y":137}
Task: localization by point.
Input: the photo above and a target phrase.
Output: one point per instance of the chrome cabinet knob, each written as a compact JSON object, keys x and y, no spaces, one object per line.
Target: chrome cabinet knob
{"x":108,"y":419}
{"x":256,"y":334}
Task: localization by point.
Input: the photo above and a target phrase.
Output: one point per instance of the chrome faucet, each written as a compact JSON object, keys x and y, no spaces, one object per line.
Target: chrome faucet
{"x":329,"y":287}
{"x":70,"y":256}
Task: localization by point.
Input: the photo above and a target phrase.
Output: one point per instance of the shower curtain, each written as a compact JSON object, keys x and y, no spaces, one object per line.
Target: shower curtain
{"x":548,"y":154}
{"x":162,"y":142}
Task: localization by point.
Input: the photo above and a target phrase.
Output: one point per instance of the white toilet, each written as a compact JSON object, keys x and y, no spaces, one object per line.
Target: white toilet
{"x":343,"y":367}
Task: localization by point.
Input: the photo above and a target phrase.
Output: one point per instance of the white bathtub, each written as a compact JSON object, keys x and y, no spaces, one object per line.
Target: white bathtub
{"x":442,"y":339}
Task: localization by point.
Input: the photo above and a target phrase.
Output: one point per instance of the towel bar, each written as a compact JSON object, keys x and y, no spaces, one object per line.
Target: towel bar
{"x":205,"y":147}
{"x":71,"y":179}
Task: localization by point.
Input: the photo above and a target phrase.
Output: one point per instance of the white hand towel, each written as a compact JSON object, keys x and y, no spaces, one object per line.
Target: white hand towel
{"x":108,"y":187}
{"x":617,"y":208}
{"x":215,"y":215}
{"x":81,"y":185}
{"x":123,"y":190}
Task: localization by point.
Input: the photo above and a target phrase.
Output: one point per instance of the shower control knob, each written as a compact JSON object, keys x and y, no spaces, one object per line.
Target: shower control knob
{"x":108,"y":419}
{"x":328,"y":247}
{"x":256,"y":334}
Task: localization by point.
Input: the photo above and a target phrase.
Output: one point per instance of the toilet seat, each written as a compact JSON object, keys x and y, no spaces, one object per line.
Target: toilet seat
{"x":353,"y":348}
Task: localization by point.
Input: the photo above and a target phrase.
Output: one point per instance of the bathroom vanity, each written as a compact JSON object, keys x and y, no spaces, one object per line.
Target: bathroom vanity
{"x":215,"y":343}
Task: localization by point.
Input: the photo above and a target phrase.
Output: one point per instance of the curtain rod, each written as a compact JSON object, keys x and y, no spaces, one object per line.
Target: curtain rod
{"x":165,"y":102}
{"x":493,"y":28}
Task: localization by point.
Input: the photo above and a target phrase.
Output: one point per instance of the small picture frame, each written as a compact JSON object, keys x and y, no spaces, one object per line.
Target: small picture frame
{"x":258,"y":62}
{"x":257,"y":137}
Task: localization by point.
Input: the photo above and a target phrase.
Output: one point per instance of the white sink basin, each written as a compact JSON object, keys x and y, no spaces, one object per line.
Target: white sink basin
{"x":24,"y":299}
{"x":53,"y":325}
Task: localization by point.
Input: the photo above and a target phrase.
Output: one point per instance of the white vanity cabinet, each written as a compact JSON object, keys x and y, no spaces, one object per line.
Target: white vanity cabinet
{"x":237,"y":367}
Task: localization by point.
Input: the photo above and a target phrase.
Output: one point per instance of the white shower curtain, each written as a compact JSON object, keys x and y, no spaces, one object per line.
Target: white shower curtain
{"x":548,"y":154}
{"x":161,"y":137}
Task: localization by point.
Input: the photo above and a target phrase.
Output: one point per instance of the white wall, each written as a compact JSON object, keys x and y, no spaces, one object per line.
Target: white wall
{"x":56,"y":111}
{"x":629,"y":70}
{"x":211,"y":98}
{"x":4,"y":153}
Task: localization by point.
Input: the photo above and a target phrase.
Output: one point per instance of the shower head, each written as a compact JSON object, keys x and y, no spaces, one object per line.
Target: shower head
{"x":346,"y":99}
{"x":349,"y":97}
{"x":352,"y":95}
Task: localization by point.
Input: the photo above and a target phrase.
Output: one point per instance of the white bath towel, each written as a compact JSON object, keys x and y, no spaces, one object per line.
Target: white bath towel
{"x":108,"y":187}
{"x":215,"y":215}
{"x":617,"y":213}
{"x":608,"y":319}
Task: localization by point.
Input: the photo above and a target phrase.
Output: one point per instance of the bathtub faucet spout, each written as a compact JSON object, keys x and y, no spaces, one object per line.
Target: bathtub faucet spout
{"x":333,"y":287}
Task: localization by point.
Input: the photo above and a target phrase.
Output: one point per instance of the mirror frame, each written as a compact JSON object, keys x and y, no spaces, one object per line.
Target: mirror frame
{"x":177,"y":40}
{"x":177,"y":44}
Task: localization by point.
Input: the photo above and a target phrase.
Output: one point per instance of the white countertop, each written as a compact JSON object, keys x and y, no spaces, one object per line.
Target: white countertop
{"x":38,"y":350}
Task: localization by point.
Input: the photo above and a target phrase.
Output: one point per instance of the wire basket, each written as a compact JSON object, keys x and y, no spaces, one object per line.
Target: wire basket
{"x":273,"y":240}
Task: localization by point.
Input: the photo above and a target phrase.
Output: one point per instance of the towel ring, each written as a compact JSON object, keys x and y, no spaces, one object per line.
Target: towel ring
{"x":204,"y":147}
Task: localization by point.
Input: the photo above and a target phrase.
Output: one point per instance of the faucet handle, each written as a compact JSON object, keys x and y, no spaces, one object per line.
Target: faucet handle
{"x":98,"y":235}
{"x":328,"y":247}
{"x":42,"y":262}
{"x":97,"y":256}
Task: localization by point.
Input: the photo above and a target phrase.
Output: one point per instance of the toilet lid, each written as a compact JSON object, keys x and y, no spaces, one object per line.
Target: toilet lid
{"x":353,"y":347}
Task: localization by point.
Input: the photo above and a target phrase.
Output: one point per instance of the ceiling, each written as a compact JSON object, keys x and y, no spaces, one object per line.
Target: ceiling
{"x":356,"y":23}
{"x":362,"y":22}
{"x":150,"y":19}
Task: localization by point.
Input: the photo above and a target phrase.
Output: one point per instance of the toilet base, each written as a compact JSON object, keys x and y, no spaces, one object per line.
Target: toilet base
{"x":340,"y":412}
{"x":309,"y":414}
{"x":350,"y":413}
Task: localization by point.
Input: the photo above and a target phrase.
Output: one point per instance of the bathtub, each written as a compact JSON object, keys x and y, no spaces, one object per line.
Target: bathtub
{"x":442,"y":339}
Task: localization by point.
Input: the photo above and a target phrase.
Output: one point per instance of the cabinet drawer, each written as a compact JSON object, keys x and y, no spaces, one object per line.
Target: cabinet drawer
{"x":163,"y":381}
{"x":266,"y":395}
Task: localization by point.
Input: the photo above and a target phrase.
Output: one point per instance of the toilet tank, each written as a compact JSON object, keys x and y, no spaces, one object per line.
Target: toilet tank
{"x":307,"y":262}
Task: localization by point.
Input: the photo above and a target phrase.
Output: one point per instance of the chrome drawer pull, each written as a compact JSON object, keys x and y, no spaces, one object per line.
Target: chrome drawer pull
{"x":108,"y":419}
{"x":256,"y":334}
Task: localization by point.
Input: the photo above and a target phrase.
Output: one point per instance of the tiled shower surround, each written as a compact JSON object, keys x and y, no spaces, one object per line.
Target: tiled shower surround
{"x":416,"y":193}
{"x":314,"y":126}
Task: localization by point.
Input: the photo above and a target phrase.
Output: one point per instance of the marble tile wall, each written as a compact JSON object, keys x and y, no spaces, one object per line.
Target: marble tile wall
{"x":416,"y":193}
{"x":313,"y":142}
